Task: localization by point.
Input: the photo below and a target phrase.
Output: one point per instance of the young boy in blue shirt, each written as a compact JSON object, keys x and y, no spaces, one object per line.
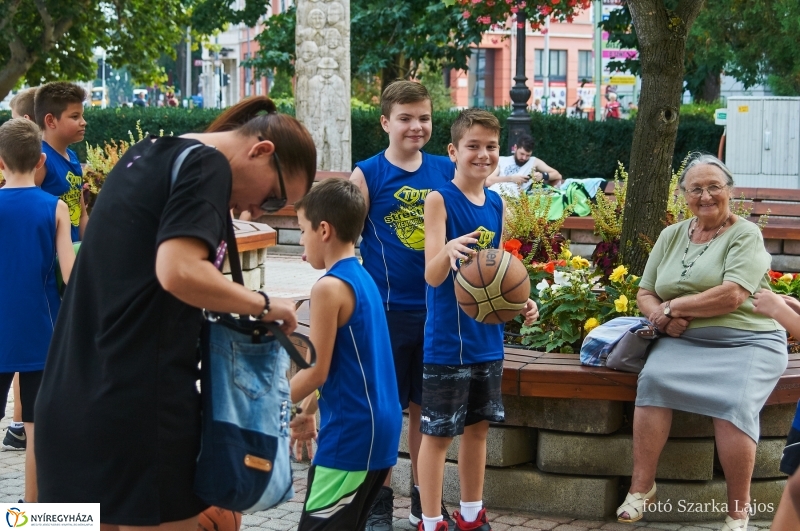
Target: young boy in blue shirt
{"x":59,"y":114}
{"x":35,"y":226}
{"x":395,"y":183}
{"x":353,"y":381}
{"x":461,"y":389}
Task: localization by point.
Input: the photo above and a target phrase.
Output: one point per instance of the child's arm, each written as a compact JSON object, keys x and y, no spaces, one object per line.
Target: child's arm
{"x":772,"y":305}
{"x":329,"y":297}
{"x":84,"y":215}
{"x":66,"y":253}
{"x":358,"y":179}
{"x":304,"y":428}
{"x":441,"y":255}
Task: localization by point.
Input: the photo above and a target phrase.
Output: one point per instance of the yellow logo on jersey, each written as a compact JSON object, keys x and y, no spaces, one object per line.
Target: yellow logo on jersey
{"x":72,"y":198}
{"x":407,"y":220}
{"x":485,"y":239}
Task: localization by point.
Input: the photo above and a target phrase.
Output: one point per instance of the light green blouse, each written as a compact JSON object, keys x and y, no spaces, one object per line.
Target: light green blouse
{"x":737,"y":255}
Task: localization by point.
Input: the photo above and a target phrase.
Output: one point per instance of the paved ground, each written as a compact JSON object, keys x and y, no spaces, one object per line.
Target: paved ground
{"x":290,"y":277}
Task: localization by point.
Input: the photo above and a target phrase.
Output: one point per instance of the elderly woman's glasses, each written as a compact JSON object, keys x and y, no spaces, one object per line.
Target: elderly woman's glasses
{"x":273,"y":204}
{"x":712,"y":190}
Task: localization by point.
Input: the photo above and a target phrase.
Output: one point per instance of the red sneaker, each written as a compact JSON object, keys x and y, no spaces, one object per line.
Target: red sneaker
{"x":440,"y":526}
{"x":480,"y":523}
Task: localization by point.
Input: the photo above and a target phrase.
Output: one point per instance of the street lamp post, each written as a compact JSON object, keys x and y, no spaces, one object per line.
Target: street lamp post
{"x":519,"y":123}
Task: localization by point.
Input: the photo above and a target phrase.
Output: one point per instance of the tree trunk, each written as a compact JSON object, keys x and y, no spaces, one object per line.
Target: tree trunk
{"x":397,"y":69}
{"x":712,"y":87}
{"x":662,"y":43}
{"x":11,"y":73}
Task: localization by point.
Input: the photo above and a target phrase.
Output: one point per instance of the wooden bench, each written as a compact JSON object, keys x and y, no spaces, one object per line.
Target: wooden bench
{"x":251,"y":235}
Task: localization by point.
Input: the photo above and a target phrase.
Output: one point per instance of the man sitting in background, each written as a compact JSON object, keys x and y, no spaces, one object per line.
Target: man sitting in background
{"x":513,"y":173}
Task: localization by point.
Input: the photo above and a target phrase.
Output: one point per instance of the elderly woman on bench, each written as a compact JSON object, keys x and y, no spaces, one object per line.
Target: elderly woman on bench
{"x":717,"y":357}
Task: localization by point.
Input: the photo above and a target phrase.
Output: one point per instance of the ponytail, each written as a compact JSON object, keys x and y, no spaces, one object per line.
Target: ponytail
{"x":241,"y":113}
{"x":258,"y":117}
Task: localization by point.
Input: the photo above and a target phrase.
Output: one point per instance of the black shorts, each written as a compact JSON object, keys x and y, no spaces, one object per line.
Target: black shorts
{"x":791,"y":453}
{"x":29,"y":383}
{"x":454,"y":396}
{"x":407,"y":335}
{"x":337,"y":500}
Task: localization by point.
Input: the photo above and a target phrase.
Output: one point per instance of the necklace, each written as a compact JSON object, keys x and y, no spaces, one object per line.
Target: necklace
{"x":687,"y":268}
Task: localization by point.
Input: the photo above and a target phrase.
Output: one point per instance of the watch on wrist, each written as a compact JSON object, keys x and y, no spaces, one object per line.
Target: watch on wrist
{"x":667,"y":310}
{"x":545,"y":176}
{"x":265,"y":311}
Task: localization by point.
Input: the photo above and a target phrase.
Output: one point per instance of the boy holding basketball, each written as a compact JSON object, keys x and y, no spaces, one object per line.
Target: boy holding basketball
{"x":353,"y":380}
{"x":395,"y":183}
{"x":463,"y":358}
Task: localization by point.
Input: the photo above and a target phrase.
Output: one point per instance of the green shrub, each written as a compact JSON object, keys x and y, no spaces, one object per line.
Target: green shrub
{"x":577,"y":148}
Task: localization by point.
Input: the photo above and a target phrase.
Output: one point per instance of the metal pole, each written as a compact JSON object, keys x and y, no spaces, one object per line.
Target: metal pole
{"x":519,"y":123}
{"x":546,"y":68}
{"x":187,"y":89}
{"x":103,"y":95}
{"x":598,"y":60}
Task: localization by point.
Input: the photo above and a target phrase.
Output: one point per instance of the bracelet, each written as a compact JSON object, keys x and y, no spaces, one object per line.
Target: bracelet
{"x":265,"y":311}
{"x":545,"y":176}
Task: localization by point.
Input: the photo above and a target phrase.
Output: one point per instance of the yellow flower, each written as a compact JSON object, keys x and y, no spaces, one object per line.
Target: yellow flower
{"x":786,"y":278}
{"x":621,"y":304}
{"x":579,"y":263}
{"x":618,"y":275}
{"x":566,"y":254}
{"x":591,"y":324}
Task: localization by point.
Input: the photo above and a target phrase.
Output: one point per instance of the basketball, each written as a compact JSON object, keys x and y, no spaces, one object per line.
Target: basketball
{"x":217,"y":519}
{"x":493,"y":287}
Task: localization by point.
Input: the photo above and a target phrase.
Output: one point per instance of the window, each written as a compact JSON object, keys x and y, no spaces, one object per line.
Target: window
{"x":585,"y":66}
{"x":481,"y":78}
{"x":248,"y":78}
{"x":558,"y":65}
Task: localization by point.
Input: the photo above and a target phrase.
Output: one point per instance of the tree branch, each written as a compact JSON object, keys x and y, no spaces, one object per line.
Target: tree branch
{"x":688,"y":11}
{"x":53,"y":31}
{"x":9,"y":16}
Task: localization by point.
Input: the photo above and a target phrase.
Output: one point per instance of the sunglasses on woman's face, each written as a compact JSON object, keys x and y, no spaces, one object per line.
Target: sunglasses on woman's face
{"x":273,"y":204}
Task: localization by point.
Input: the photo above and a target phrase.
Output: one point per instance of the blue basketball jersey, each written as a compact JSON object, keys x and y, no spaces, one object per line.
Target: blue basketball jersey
{"x":393,"y":240}
{"x":360,"y":416}
{"x":64,"y":179}
{"x":29,"y":300}
{"x":451,"y":336}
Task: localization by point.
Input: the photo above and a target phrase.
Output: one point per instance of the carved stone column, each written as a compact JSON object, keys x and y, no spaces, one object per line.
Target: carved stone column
{"x":322,"y":90}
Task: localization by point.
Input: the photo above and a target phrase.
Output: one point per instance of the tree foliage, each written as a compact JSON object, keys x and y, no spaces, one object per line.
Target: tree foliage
{"x":755,"y":41}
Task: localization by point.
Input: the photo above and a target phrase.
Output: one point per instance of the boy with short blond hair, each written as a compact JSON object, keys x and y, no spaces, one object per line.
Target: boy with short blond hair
{"x":59,"y":114}
{"x":22,"y":105}
{"x":461,"y":390}
{"x":395,"y":183}
{"x":35,"y":226}
{"x":353,"y":380}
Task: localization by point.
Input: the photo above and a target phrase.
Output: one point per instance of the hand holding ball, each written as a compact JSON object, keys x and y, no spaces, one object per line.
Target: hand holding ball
{"x":492,"y":287}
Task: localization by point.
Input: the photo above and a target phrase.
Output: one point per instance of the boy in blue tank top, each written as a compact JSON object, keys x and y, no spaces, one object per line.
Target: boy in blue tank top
{"x":353,"y":381}
{"x":59,"y":113}
{"x":461,"y":390}
{"x":395,"y":183}
{"x":35,"y":226}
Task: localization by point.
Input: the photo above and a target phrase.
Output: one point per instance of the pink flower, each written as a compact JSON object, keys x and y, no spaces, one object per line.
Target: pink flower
{"x":514,"y":9}
{"x":466,"y":14}
{"x":476,"y":1}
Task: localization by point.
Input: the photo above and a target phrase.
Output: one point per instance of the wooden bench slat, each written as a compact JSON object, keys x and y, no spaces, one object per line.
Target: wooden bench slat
{"x":589,"y":392}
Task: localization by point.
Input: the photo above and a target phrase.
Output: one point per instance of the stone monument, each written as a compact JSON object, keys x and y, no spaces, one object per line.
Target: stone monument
{"x":322,"y":89}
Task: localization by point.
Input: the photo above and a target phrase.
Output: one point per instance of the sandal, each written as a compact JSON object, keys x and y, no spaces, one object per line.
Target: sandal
{"x":735,"y":525}
{"x":634,"y":505}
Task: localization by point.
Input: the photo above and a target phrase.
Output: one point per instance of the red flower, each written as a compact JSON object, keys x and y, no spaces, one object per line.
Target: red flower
{"x":550,"y":267}
{"x":512,"y":245}
{"x":516,"y":255}
{"x":775,"y":275}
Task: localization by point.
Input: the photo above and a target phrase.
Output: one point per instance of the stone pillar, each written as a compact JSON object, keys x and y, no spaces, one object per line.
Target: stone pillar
{"x":322,"y":90}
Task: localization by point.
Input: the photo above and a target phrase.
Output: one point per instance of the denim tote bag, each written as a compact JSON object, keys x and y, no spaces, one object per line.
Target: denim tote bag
{"x":243,"y":463}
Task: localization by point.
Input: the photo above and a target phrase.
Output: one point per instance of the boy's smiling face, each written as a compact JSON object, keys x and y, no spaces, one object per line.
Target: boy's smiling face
{"x":409,"y":125}
{"x":477,"y":153}
{"x":71,"y":126}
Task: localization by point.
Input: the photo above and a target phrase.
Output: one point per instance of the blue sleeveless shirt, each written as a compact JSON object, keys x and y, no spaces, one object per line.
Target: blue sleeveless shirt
{"x":29,"y":300}
{"x":64,"y":179}
{"x":393,"y":240}
{"x":451,"y":336}
{"x":360,"y":417}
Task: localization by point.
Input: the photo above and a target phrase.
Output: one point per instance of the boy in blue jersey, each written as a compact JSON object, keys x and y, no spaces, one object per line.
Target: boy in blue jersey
{"x":785,"y":310}
{"x":35,"y":226}
{"x":461,"y":389}
{"x":395,"y":183}
{"x":354,"y":374}
{"x":59,"y":114}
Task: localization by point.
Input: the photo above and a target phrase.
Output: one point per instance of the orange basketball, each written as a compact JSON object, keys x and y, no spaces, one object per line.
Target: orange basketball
{"x":218,"y":519}
{"x":493,"y":287}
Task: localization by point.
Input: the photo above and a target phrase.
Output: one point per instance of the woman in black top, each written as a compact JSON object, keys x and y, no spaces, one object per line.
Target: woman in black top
{"x":118,"y":414}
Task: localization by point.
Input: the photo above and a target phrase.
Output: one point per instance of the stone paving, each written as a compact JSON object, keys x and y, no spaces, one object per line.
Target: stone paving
{"x":290,"y":277}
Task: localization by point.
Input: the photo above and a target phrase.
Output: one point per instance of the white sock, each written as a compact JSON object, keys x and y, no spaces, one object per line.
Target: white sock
{"x":430,"y":523}
{"x":470,"y":510}
{"x":16,"y":425}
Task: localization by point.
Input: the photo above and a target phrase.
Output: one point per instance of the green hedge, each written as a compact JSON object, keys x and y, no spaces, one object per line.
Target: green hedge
{"x":577,"y":148}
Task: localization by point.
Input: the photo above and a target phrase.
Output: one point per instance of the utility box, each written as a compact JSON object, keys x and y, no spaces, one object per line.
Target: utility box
{"x":763,"y":141}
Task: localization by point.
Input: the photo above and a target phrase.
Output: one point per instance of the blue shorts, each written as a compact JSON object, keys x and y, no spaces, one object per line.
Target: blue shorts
{"x":407,"y":335}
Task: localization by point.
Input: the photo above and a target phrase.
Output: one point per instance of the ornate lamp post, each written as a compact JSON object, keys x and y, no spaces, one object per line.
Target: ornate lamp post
{"x":519,"y":123}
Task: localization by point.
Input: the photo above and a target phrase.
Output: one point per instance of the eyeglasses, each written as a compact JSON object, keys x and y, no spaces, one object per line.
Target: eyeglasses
{"x":712,"y":191}
{"x":273,"y":204}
